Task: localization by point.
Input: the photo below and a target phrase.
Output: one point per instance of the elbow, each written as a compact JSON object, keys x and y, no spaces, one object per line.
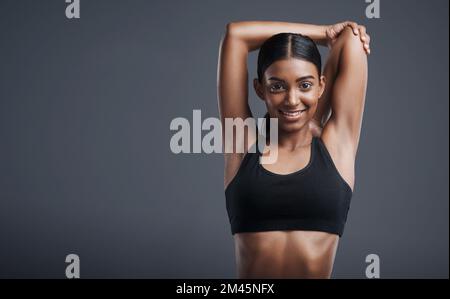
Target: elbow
{"x":235,"y":37}
{"x":352,"y":42}
{"x":232,"y":29}
{"x":228,"y":33}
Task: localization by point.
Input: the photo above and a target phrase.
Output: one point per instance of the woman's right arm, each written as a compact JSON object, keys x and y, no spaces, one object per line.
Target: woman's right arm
{"x":232,"y":81}
{"x":232,"y":76}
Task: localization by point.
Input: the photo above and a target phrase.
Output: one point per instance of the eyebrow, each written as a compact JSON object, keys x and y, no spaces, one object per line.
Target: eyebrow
{"x":299,"y":79}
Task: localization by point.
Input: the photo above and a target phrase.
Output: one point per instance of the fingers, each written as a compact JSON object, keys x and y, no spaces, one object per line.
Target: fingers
{"x":354,"y":26}
{"x":357,"y":30}
{"x":365,"y":38}
{"x":362,"y":32}
{"x":368,"y":43}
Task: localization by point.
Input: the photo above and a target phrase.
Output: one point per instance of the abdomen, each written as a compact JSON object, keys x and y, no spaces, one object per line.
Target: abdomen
{"x":285,"y":254}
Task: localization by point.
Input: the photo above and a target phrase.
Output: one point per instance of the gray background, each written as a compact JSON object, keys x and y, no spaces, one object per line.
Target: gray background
{"x":85,"y":163}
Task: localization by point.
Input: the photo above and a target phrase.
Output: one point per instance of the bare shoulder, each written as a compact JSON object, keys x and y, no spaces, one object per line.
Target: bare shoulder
{"x":342,"y":152}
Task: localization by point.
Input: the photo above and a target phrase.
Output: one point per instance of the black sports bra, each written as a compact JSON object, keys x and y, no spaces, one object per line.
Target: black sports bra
{"x":314,"y":198}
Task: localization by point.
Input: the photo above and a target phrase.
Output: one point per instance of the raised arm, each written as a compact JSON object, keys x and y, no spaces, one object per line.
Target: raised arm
{"x":347,"y":71}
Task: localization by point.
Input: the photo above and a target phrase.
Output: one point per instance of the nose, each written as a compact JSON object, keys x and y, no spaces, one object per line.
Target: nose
{"x":293,"y":98}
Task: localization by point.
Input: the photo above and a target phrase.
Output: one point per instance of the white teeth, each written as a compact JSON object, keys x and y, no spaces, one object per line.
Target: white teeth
{"x":292,"y":114}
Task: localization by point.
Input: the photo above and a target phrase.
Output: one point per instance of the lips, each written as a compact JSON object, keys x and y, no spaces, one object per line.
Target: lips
{"x":292,"y":114}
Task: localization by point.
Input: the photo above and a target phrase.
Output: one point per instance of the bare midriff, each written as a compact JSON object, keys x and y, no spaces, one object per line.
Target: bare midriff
{"x":285,"y":254}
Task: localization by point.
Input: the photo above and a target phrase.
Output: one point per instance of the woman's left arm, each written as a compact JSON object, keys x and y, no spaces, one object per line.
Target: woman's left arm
{"x":347,"y":94}
{"x":323,"y":111}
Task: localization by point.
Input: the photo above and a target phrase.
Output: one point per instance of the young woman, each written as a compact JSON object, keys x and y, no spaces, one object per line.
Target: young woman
{"x":287,"y":217}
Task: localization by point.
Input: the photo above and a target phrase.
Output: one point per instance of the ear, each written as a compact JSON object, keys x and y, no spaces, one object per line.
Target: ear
{"x":322,"y":84}
{"x":258,"y":89}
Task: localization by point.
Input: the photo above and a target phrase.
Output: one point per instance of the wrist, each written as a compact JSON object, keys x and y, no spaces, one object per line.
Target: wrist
{"x":322,"y":38}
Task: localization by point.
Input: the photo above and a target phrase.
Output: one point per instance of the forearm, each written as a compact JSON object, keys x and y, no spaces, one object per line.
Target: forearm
{"x":254,"y":33}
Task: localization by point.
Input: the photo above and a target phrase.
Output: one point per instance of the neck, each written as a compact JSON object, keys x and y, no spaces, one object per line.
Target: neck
{"x":294,"y":140}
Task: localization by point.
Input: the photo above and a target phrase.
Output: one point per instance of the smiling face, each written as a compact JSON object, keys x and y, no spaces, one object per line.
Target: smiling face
{"x":291,"y":89}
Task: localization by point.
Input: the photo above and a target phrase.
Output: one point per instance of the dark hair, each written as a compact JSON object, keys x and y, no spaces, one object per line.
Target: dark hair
{"x":287,"y":45}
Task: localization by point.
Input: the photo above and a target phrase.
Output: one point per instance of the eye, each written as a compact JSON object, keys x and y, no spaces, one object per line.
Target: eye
{"x":305,"y":85}
{"x":276,"y":87}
